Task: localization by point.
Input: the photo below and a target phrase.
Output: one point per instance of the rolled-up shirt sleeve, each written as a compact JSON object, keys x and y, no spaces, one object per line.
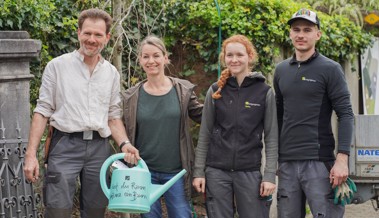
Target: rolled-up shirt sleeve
{"x":46,"y":100}
{"x":115,"y":110}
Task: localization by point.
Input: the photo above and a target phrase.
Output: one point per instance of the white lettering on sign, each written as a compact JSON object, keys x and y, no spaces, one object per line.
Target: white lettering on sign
{"x":368,"y":154}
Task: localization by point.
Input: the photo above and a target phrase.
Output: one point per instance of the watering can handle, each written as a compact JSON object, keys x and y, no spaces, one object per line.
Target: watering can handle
{"x":103,"y":172}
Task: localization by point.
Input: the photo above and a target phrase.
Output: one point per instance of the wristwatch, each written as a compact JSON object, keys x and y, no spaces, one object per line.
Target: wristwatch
{"x":124,"y":143}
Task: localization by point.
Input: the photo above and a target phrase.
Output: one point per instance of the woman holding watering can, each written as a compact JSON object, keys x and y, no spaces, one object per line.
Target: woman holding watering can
{"x":237,"y":110}
{"x":156,"y":113}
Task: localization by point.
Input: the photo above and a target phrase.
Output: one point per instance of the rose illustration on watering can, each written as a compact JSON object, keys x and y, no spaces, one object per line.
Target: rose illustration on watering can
{"x":131,"y":190}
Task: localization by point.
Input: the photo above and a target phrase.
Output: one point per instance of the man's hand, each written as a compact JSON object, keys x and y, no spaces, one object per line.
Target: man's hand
{"x":119,"y":135}
{"x":199,"y":184}
{"x":267,"y":188}
{"x":31,"y":168}
{"x":31,"y":165}
{"x":131,"y":154}
{"x":340,"y":171}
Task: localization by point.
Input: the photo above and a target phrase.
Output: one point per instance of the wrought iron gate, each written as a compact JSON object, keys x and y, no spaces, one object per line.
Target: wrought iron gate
{"x":18,"y":198}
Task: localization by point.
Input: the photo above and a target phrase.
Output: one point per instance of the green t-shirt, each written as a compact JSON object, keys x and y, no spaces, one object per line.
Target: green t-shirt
{"x":158,"y":123}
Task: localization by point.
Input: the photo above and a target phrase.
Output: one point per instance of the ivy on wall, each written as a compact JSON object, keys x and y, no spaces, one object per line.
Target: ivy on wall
{"x":193,"y":24}
{"x":265,"y":23}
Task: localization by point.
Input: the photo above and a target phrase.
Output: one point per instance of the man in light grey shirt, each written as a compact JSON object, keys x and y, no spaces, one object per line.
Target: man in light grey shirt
{"x":79,"y":96}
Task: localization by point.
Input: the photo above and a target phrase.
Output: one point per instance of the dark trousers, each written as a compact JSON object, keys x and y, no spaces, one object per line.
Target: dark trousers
{"x":222,"y":186}
{"x":309,"y":178}
{"x":72,"y":159}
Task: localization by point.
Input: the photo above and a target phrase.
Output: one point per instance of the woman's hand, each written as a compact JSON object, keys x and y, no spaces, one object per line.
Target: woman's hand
{"x":267,"y":188}
{"x":199,"y":184}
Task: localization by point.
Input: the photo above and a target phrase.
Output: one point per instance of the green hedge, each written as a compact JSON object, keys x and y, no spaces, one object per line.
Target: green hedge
{"x":193,"y":24}
{"x":265,"y":23}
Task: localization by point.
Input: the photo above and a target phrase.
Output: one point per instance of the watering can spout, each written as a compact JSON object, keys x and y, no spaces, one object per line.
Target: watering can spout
{"x":158,"y":190}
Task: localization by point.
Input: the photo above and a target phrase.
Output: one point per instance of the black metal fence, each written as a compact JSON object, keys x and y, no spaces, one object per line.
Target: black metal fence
{"x":18,"y":198}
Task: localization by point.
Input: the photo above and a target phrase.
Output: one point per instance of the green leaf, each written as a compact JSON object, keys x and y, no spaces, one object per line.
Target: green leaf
{"x":10,"y":23}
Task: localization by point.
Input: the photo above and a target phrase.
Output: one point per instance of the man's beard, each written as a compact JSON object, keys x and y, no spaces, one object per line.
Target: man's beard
{"x":92,"y":53}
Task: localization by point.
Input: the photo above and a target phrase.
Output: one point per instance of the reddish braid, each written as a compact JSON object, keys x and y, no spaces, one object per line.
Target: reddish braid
{"x":221,"y":83}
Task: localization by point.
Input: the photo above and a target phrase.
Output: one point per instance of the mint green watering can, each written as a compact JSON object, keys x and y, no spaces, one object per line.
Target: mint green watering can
{"x":131,"y":190}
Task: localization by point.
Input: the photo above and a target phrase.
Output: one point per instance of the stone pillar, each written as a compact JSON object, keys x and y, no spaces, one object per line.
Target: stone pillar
{"x":17,"y":195}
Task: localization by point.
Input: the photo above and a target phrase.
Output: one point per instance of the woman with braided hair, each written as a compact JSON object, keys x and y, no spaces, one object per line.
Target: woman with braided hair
{"x":238,"y":109}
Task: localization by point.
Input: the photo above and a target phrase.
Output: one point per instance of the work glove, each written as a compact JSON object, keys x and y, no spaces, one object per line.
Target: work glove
{"x":344,"y":193}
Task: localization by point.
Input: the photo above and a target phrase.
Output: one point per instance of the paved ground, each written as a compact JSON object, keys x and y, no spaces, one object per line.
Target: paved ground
{"x":364,"y":210}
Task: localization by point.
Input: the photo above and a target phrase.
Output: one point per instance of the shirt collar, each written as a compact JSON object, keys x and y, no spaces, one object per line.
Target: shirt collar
{"x":293,"y":59}
{"x":81,"y":57}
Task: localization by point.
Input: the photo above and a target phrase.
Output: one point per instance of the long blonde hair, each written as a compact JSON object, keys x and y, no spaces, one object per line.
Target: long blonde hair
{"x":250,"y":49}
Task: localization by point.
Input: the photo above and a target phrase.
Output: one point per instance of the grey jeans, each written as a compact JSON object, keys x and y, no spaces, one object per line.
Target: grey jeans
{"x":71,"y":158}
{"x":222,"y":186}
{"x":312,"y":178}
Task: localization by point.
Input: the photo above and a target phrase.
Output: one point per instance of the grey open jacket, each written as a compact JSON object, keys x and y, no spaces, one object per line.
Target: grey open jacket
{"x":189,"y":107}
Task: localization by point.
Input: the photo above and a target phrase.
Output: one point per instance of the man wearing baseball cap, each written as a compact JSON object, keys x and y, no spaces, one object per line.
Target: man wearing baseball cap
{"x":309,"y":86}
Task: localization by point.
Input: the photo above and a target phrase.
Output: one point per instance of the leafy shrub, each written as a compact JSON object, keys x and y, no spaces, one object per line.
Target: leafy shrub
{"x":265,"y":23}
